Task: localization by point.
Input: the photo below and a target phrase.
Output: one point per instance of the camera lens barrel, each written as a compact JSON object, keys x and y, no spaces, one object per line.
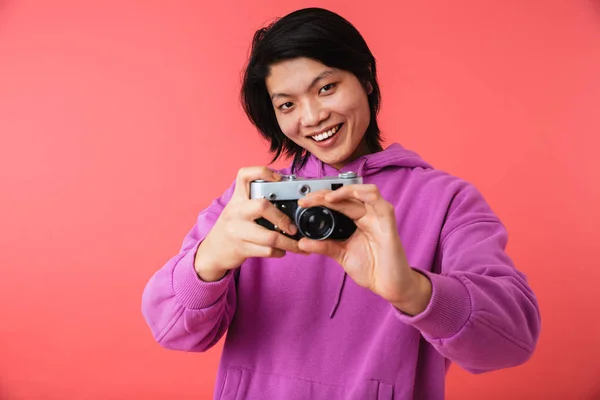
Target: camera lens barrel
{"x":315,"y":222}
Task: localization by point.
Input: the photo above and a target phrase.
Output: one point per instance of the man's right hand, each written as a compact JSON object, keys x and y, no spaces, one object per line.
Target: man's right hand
{"x":236,"y":236}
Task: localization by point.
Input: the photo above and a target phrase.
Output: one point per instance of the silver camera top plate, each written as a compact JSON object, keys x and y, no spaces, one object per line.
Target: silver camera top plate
{"x":290,"y":187}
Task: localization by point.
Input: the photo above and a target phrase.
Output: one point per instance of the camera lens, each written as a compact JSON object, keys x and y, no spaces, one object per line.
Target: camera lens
{"x":315,"y":222}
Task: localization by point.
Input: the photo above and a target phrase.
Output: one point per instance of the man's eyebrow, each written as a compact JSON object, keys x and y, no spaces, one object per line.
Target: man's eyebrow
{"x":322,"y":75}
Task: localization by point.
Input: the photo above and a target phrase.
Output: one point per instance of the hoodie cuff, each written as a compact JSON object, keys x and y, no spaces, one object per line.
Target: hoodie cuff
{"x":448,"y":311}
{"x":193,"y":292}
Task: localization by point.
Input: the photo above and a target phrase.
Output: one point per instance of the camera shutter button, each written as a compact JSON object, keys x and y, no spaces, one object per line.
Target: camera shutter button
{"x":346,"y":175}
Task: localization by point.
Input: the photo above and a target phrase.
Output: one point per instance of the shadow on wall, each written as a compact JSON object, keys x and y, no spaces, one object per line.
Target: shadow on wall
{"x":3,"y":8}
{"x":3,"y":394}
{"x":596,"y":5}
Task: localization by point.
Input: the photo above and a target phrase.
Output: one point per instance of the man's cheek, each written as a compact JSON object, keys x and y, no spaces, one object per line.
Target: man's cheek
{"x":288,"y":129}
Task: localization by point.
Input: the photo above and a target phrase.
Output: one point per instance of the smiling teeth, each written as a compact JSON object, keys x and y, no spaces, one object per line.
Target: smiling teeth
{"x":325,"y":135}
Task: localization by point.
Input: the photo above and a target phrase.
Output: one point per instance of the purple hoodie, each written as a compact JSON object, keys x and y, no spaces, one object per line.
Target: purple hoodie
{"x":298,"y":328}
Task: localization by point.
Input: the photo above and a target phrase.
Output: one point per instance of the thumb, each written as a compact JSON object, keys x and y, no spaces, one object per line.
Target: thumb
{"x":330,"y":248}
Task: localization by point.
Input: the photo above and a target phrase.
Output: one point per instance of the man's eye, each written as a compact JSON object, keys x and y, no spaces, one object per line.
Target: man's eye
{"x":286,"y":106}
{"x":327,"y":87}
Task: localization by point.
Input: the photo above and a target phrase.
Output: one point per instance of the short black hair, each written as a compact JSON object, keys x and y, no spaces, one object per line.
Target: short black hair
{"x":314,"y":33}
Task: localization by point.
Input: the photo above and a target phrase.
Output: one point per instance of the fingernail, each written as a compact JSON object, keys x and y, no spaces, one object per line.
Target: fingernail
{"x":292,"y":229}
{"x":276,"y":175}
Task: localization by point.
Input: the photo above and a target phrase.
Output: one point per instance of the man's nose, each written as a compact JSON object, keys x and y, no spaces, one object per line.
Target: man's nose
{"x":312,"y":114}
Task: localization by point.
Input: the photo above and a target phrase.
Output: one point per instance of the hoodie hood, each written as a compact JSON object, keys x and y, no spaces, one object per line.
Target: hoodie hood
{"x":393,"y":156}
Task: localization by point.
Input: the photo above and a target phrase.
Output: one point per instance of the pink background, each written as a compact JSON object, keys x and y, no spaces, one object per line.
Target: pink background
{"x":120,"y":121}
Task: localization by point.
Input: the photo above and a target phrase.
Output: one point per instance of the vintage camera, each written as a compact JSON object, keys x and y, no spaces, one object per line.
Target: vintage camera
{"x":317,"y":222}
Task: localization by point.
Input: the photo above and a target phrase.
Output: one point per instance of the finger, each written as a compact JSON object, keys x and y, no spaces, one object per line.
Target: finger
{"x":366,"y":193}
{"x":352,"y":208}
{"x":363,"y":192}
{"x":256,"y":250}
{"x":318,"y":193}
{"x":257,"y":208}
{"x":248,"y":174}
{"x":254,"y":233}
{"x":313,"y":199}
{"x":330,"y":248}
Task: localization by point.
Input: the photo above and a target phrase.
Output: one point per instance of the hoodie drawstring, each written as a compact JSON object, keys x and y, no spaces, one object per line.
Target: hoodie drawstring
{"x":338,"y":296}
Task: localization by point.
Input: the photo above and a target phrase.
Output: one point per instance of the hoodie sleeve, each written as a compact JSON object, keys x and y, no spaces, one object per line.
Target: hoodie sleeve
{"x":182,"y":311}
{"x":482,"y":314}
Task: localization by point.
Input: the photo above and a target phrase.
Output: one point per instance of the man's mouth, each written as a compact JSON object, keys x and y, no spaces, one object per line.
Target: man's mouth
{"x":328,"y":134}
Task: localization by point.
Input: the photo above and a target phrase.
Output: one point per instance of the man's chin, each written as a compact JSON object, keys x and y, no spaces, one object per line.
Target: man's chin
{"x":330,"y":159}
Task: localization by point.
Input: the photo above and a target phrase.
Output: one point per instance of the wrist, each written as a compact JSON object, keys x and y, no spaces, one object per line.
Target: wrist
{"x":207,"y":270}
{"x":210,"y":275}
{"x":418,"y":297}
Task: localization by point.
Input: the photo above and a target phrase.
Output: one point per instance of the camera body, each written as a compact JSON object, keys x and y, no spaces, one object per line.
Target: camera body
{"x":317,"y":222}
